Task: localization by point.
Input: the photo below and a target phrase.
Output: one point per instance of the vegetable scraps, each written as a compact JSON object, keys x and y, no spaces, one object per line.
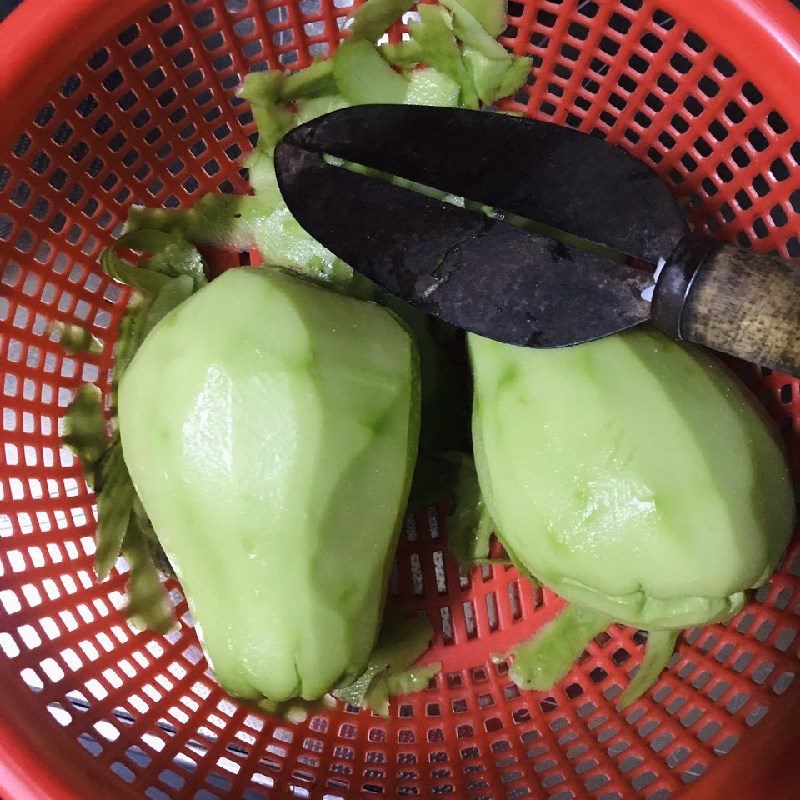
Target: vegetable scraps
{"x":262,"y":429}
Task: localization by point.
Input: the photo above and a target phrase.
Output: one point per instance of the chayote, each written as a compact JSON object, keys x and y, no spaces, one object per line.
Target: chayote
{"x":270,"y":429}
{"x":633,"y":475}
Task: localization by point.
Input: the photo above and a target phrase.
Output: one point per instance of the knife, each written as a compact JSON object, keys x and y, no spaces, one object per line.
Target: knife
{"x":528,"y":232}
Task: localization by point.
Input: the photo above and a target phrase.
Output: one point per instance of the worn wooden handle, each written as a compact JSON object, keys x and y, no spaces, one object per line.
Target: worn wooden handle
{"x":733,"y":300}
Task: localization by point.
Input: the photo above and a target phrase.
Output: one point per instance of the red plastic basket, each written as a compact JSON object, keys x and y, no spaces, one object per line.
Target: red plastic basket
{"x":109,"y":103}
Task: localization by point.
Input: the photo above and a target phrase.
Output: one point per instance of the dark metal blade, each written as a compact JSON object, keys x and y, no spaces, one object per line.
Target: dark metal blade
{"x":543,"y":172}
{"x":478,"y":273}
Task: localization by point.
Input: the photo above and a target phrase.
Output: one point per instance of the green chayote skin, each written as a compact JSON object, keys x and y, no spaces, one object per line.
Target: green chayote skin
{"x":270,"y":429}
{"x":633,"y":475}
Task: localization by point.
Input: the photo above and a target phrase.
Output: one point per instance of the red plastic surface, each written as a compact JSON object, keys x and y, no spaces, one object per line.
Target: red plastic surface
{"x":112,"y":103}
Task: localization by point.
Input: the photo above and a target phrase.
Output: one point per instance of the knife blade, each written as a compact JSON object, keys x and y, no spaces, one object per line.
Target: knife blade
{"x":477,"y":272}
{"x":527,"y":232}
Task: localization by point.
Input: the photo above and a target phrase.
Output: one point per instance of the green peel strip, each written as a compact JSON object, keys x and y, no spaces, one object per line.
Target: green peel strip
{"x":660,"y":646}
{"x":406,"y":54}
{"x":172,"y":272}
{"x":469,"y":527}
{"x":400,"y":643}
{"x":356,"y":59}
{"x":262,"y":90}
{"x":76,"y":339}
{"x":114,"y":502}
{"x":372,"y":19}
{"x":148,"y":604}
{"x":544,"y":659}
{"x":171,"y":256}
{"x":227,"y":220}
{"x":313,"y":81}
{"x":85,"y":429}
{"x":492,"y":15}
{"x":157,"y":554}
{"x":496,"y":77}
{"x":411,"y":680}
{"x":172,"y":294}
{"x":435,"y":39}
{"x":472,"y":34}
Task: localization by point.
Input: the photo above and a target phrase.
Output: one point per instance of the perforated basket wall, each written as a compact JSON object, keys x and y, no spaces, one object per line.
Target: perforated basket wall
{"x":137,"y":105}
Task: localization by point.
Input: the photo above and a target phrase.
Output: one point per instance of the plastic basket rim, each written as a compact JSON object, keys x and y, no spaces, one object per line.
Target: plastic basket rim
{"x":31,"y":55}
{"x":30,"y":38}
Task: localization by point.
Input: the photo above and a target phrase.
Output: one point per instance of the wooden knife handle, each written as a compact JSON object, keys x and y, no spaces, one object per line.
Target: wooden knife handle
{"x":733,"y":300}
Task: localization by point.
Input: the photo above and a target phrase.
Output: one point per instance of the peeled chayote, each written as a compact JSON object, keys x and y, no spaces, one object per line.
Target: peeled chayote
{"x":270,"y":428}
{"x":635,"y":476}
